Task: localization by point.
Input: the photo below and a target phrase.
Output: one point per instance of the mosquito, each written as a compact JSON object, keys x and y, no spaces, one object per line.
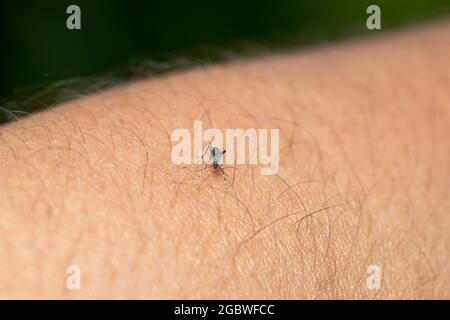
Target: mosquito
{"x":215,"y":154}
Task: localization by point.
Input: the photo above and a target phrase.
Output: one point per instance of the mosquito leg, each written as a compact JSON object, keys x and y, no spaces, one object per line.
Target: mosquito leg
{"x":204,"y":168}
{"x":224,"y":177}
{"x":208,"y":148}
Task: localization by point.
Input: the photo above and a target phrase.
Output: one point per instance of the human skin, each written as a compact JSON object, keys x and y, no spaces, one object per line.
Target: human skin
{"x":363,"y":180}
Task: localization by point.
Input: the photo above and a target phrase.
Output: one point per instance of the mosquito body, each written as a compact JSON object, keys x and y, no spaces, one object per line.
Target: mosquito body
{"x":215,"y":155}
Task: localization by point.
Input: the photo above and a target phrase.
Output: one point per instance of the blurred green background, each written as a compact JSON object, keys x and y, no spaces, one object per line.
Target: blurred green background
{"x":42,"y":62}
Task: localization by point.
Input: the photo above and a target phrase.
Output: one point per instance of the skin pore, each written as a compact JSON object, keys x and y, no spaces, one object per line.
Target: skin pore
{"x":363,"y":180}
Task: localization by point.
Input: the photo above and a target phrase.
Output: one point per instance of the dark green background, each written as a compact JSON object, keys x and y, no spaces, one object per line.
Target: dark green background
{"x":126,"y":39}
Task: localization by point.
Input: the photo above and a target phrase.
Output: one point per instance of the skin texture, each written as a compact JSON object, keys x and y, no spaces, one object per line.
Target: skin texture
{"x":364,"y":180}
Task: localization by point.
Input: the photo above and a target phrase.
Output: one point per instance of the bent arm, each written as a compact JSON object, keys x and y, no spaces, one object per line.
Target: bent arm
{"x":363,"y":181}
